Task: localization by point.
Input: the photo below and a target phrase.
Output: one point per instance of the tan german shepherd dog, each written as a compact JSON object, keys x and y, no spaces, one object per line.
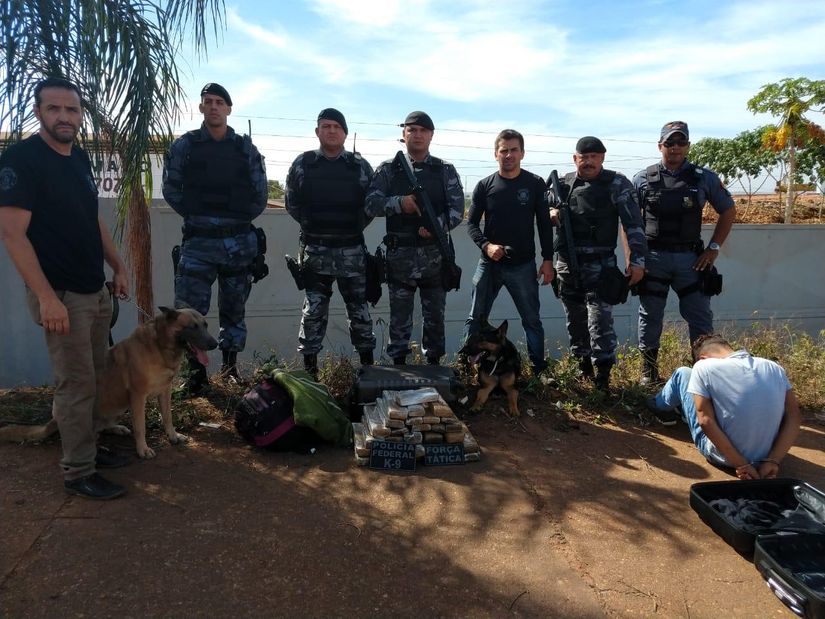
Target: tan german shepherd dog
{"x":142,"y":366}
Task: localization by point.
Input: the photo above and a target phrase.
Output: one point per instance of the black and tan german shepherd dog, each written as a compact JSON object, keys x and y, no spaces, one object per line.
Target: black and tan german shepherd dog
{"x":499,"y":364}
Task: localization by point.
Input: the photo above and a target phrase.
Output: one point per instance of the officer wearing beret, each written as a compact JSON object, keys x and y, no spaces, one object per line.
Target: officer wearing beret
{"x":325,"y":192}
{"x":672,"y":195}
{"x":598,"y":200}
{"x":216,"y":180}
{"x":413,"y":259}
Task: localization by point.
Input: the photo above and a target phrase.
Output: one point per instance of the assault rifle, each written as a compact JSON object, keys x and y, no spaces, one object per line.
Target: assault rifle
{"x":450,"y":271}
{"x":563,"y":207}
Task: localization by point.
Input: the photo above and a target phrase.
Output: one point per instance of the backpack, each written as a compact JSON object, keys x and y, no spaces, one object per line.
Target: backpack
{"x":264,"y":419}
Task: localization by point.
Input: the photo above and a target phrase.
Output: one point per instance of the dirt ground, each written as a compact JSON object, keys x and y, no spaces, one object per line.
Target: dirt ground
{"x":579,"y":519}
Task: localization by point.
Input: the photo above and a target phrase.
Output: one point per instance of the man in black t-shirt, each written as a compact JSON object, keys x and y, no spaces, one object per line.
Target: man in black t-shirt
{"x":50,"y":225}
{"x":512,"y":202}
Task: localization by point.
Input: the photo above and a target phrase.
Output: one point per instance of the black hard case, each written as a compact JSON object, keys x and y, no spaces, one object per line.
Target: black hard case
{"x":371,"y":380}
{"x":777,"y":555}
{"x":780,"y":558}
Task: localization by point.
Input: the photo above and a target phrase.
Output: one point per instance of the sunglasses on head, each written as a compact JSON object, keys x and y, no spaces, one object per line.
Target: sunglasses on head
{"x":670,"y":143}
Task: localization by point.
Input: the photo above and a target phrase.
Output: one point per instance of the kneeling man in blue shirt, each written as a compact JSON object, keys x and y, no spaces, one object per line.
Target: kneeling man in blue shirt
{"x":741,"y":409}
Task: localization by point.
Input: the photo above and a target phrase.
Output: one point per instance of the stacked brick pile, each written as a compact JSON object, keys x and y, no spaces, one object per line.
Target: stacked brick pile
{"x":418,"y":417}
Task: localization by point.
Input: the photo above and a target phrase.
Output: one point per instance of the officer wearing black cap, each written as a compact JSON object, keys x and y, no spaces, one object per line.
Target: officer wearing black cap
{"x":672,"y":195}
{"x":215,"y":179}
{"x":413,"y":259}
{"x":325,"y":192}
{"x":598,"y":199}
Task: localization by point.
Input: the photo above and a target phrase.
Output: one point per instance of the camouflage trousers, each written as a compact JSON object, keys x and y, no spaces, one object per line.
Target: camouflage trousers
{"x":589,"y":319}
{"x":410,"y":269}
{"x":202,"y":260}
{"x":322,"y":267}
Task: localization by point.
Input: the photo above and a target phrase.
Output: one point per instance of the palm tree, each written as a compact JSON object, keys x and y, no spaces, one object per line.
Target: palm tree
{"x":790,"y":99}
{"x":122,"y":54}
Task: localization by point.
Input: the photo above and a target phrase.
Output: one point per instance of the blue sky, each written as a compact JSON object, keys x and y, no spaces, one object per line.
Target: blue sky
{"x":555,"y":70}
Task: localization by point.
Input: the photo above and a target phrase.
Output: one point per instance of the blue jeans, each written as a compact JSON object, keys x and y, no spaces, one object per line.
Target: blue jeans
{"x":522,"y":284}
{"x":675,"y":393}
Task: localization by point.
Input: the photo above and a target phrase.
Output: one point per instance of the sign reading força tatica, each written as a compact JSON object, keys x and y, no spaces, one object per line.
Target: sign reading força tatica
{"x":443,"y":455}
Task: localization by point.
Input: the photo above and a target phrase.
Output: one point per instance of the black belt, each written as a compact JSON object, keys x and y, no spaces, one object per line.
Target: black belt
{"x":215,"y":232}
{"x":395,"y":240}
{"x":331,"y":241}
{"x":693,"y":247}
{"x":588,"y":256}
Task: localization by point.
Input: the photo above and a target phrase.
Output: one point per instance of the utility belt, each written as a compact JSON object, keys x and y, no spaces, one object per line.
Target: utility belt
{"x":392,"y":241}
{"x":214,"y":232}
{"x":332,"y":241}
{"x":695,"y":247}
{"x":582,"y":256}
{"x":708,"y":284}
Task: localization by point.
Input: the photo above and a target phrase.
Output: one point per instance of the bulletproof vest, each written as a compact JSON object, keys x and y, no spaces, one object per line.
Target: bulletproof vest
{"x":332,"y":197}
{"x":430,"y":176}
{"x":216,"y":178}
{"x":671,"y":205}
{"x":593,"y":215}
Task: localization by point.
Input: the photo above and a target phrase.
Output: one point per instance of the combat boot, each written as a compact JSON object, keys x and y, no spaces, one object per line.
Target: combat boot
{"x":229,"y":368}
{"x":602,"y":378}
{"x":401,"y":360}
{"x":366,"y":357}
{"x":586,"y":367}
{"x":311,"y":365}
{"x":650,"y":370}
{"x":196,"y":380}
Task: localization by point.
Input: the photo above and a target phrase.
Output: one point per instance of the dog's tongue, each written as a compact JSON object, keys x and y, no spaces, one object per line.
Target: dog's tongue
{"x":477,"y":357}
{"x":200,"y":355}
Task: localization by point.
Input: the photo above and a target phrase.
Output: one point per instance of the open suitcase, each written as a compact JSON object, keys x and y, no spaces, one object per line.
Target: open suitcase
{"x":790,"y":554}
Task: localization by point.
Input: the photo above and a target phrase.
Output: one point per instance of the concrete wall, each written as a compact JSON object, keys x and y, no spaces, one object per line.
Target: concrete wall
{"x":772,"y":273}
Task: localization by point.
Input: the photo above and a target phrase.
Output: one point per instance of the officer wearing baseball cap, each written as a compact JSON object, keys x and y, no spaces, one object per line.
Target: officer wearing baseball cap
{"x":325,"y":192}
{"x":598,"y":200}
{"x":672,"y":195}
{"x":215,"y":179}
{"x":413,"y":259}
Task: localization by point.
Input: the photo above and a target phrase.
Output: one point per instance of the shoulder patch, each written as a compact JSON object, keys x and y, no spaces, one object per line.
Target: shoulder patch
{"x":8,"y":178}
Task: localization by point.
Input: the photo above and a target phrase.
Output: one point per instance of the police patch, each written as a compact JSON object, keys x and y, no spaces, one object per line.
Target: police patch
{"x":8,"y":178}
{"x":523,"y":196}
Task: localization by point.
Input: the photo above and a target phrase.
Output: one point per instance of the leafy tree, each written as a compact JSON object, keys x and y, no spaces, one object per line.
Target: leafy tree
{"x":275,"y":190}
{"x":122,"y":55}
{"x":790,"y":99}
{"x":811,"y":162}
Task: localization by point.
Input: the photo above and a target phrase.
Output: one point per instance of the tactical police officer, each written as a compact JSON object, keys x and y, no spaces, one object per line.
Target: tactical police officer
{"x":598,"y":199}
{"x":672,"y":195}
{"x":325,"y":192}
{"x":413,"y":258}
{"x":215,"y":179}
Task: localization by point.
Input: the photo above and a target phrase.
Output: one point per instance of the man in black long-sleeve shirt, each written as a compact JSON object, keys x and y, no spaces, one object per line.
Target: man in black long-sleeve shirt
{"x":512,"y":202}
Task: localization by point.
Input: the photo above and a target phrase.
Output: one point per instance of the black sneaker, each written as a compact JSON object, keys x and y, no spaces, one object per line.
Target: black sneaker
{"x":665,"y":416}
{"x":108,"y":459}
{"x":95,"y":487}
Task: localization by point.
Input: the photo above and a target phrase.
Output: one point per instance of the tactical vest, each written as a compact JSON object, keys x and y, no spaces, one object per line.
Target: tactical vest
{"x":332,"y":197}
{"x":430,"y":175}
{"x":671,"y":206}
{"x":217,"y":178}
{"x":593,"y":215}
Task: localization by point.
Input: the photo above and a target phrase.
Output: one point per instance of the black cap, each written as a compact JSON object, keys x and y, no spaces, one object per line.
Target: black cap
{"x":330,"y":113}
{"x":590,"y":144}
{"x":419,"y":118}
{"x":676,"y":126}
{"x":216,"y":89}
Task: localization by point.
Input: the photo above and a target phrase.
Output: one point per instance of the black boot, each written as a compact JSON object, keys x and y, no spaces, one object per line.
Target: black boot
{"x":366,"y":357}
{"x":433,"y":360}
{"x":402,"y":360}
{"x":196,"y":380}
{"x":650,"y":369}
{"x":602,"y":379}
{"x":311,"y":365}
{"x":586,"y":368}
{"x":229,"y":368}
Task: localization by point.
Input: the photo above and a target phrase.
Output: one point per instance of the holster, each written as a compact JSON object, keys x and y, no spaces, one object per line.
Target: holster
{"x":450,"y":276}
{"x":259,"y":269}
{"x":175,"y":258}
{"x":555,"y":285}
{"x":296,"y":270}
{"x":613,"y":287}
{"x":710,"y":282}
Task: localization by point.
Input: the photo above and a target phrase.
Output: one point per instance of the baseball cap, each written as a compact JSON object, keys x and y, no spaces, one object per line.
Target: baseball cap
{"x":676,"y":126}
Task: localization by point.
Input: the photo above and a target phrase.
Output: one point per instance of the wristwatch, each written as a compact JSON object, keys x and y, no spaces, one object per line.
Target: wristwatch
{"x":714,"y":246}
